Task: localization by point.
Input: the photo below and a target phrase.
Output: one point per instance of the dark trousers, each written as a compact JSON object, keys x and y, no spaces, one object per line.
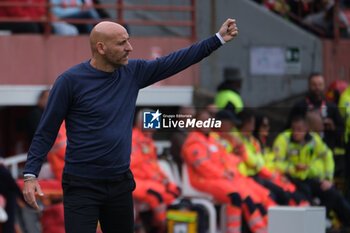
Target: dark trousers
{"x":86,"y":201}
{"x":281,"y":196}
{"x":278,"y":194}
{"x":331,"y":198}
{"x":347,"y":171}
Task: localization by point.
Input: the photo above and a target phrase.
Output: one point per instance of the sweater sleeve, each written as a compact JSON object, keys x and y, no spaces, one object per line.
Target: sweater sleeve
{"x":55,"y":112}
{"x":151,"y":71}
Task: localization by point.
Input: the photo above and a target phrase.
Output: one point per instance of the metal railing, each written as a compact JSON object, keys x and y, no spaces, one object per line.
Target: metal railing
{"x":13,"y":161}
{"x":120,"y":8}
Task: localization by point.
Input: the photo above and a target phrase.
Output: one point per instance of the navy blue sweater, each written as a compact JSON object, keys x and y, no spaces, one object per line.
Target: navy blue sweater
{"x":99,"y":107}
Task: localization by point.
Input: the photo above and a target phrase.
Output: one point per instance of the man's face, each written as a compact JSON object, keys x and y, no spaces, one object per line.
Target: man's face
{"x":226,"y":125}
{"x":299,"y":130}
{"x":43,"y":100}
{"x":316,"y":87}
{"x":264,"y":127}
{"x":248,"y":126}
{"x":117,"y":49}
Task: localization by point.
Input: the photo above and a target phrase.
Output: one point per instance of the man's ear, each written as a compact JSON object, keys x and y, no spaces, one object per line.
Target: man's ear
{"x":100,"y":46}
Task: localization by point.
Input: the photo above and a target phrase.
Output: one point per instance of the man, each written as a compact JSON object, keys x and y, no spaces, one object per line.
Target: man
{"x":315,"y":101}
{"x":212,"y":170}
{"x":228,"y":91}
{"x":152,"y":184}
{"x":97,"y":101}
{"x":306,"y":159}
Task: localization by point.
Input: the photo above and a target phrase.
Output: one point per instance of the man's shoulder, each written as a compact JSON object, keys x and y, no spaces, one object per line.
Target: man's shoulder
{"x":74,"y":73}
{"x":76,"y":69}
{"x":133,"y":63}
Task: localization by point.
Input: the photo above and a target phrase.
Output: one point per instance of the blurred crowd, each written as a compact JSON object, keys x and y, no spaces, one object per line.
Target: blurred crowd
{"x":36,"y":11}
{"x":318,"y":16}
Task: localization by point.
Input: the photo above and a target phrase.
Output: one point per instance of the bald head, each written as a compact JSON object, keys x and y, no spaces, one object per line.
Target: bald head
{"x":314,"y":121}
{"x":104,"y":31}
{"x":110,"y":46}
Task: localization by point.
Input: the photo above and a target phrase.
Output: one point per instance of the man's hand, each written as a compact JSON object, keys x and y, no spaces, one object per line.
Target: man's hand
{"x":29,"y":189}
{"x":326,"y":185}
{"x":229,"y":30}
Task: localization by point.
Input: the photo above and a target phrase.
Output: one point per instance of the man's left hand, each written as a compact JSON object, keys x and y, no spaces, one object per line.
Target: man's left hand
{"x":228,"y":30}
{"x":326,"y":185}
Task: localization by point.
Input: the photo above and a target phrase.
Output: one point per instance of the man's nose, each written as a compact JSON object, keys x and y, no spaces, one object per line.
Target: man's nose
{"x":129,"y":47}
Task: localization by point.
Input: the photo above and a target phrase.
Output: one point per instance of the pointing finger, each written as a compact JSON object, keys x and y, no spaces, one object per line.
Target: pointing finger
{"x":38,"y":189}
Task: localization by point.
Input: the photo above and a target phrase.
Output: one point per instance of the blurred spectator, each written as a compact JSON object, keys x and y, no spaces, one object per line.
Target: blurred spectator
{"x":228,"y":91}
{"x":344,"y":107}
{"x":315,"y":122}
{"x":10,"y":191}
{"x":21,"y":12}
{"x":101,"y":12}
{"x":212,"y":170}
{"x":324,"y":19}
{"x":152,"y":184}
{"x":284,"y":192}
{"x":261,"y":132}
{"x":179,"y":136}
{"x":212,"y":109}
{"x":301,"y":8}
{"x":35,"y":114}
{"x":335,"y":89}
{"x":306,"y":159}
{"x":34,"y":13}
{"x":56,"y":155}
{"x":76,"y":9}
{"x":315,"y":101}
{"x":280,"y":7}
{"x":3,"y":214}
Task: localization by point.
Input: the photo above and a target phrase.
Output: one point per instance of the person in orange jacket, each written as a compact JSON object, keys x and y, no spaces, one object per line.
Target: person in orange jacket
{"x":212,"y":170}
{"x":55,"y":157}
{"x":152,"y":184}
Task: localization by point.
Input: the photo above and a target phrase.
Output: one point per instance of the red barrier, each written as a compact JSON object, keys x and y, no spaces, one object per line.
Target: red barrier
{"x":336,"y":63}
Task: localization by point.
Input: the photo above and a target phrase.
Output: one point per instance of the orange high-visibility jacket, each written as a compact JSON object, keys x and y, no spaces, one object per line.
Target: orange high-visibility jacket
{"x":209,"y":166}
{"x":55,"y":157}
{"x":144,"y":163}
{"x":207,"y":157}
